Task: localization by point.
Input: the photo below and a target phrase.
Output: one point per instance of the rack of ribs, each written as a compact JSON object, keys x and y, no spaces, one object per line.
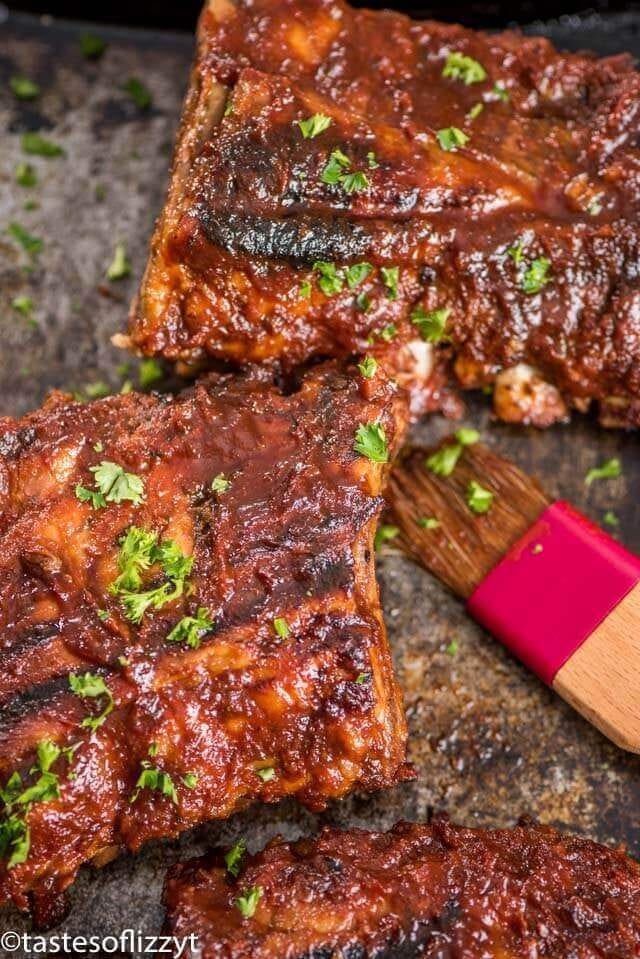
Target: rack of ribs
{"x":347,"y":180}
{"x":189,"y":617}
{"x":438,"y":891}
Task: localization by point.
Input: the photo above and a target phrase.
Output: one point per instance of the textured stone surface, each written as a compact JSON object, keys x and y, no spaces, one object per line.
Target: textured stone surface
{"x":488,"y":740}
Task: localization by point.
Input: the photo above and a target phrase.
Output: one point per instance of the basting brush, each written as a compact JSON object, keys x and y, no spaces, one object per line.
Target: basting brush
{"x":560,"y":593}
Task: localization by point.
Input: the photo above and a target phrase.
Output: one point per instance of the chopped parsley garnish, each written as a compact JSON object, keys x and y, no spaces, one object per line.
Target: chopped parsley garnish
{"x":330,"y":279}
{"x":610,"y":469}
{"x":536,"y":275}
{"x":97,"y":390}
{"x":100,"y":192}
{"x":516,"y":251}
{"x":114,"y":486}
{"x":228,"y":108}
{"x":335,"y":167}
{"x":372,"y":162}
{"x":136,"y":91}
{"x":595,"y":207}
{"x":384,"y":533}
{"x":219,"y":484}
{"x":120,"y":265}
{"x":357,"y":274}
{"x":388,"y":332}
{"x":248,"y":903}
{"x":281,"y":627}
{"x":32,"y":245}
{"x":371,"y":442}
{"x":26,"y":175}
{"x":23,"y":304}
{"x":368,"y":367}
{"x":155,"y":779}
{"x":362,"y":678}
{"x":91,"y":686}
{"x":38,"y":145}
{"x":23,"y":88}
{"x":390,"y":278}
{"x":429,"y":522}
{"x":139,"y":551}
{"x":450,"y":138}
{"x":266,"y":774}
{"x":304,"y":290}
{"x":452,"y":648}
{"x":149,"y":372}
{"x":444,"y":461}
{"x":500,"y":92}
{"x":338,"y":170}
{"x":233,"y":858}
{"x":363,"y":302}
{"x":610,"y":519}
{"x":480,"y":500}
{"x":92,"y":47}
{"x":314,"y":125}
{"x":98,"y":447}
{"x":103,"y":615}
{"x":475,"y":111}
{"x":191,"y":629}
{"x":356,"y":182}
{"x":432,"y":323}
{"x":15,"y":837}
{"x":461,"y":67}
{"x":190,"y":780}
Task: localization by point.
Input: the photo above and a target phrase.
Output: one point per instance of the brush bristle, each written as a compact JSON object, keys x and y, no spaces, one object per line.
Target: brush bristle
{"x":464,"y":546}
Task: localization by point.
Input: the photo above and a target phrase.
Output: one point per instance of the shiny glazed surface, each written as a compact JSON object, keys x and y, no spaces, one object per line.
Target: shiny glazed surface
{"x":551,"y":165}
{"x":290,"y":539}
{"x":438,"y":891}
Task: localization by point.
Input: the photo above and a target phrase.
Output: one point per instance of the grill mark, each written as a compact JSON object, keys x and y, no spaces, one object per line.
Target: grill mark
{"x":30,"y":701}
{"x":301,"y":241}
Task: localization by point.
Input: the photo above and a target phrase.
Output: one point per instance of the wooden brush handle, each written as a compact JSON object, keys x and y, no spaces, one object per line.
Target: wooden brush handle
{"x":602,"y":678}
{"x":565,"y":599}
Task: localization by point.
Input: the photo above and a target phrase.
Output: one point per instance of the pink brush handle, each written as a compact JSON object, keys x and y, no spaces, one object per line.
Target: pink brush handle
{"x":553,"y":588}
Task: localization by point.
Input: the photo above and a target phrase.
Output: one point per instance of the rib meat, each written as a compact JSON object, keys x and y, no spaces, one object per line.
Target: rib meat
{"x":437,"y":891}
{"x":526,"y":233}
{"x":281,"y":682}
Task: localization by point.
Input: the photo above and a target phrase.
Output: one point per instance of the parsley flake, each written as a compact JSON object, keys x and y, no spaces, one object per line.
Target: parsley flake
{"x":610,"y":469}
{"x":191,"y":629}
{"x":356,"y":182}
{"x":190,"y":780}
{"x":536,"y":276}
{"x":500,"y":92}
{"x":304,"y":290}
{"x":138,"y":93}
{"x":371,"y":442}
{"x":116,"y":485}
{"x":91,"y":46}
{"x":23,"y":304}
{"x":475,"y":111}
{"x":149,"y":372}
{"x":23,"y":88}
{"x":450,"y":138}
{"x":138,"y":552}
{"x":281,"y":627}
{"x":32,"y":245}
{"x":233,"y":858}
{"x":92,"y":686}
{"x":26,"y":175}
{"x":390,"y":278}
{"x":335,"y":167}
{"x":120,"y":267}
{"x":429,"y":522}
{"x":330,"y":279}
{"x":156,"y":780}
{"x":314,"y":125}
{"x":452,"y":648}
{"x":38,"y":145}
{"x":372,"y":162}
{"x":461,"y":67}
{"x":610,"y":519}
{"x":362,"y":678}
{"x":248,"y":903}
{"x":384,"y":533}
{"x":480,"y":500}
{"x":357,"y":274}
{"x":444,"y":460}
{"x":431,"y":324}
{"x":219,"y":484}
{"x":368,"y":367}
{"x":266,"y":774}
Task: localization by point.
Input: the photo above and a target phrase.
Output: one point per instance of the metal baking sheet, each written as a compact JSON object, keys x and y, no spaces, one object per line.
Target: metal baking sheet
{"x":489,"y":742}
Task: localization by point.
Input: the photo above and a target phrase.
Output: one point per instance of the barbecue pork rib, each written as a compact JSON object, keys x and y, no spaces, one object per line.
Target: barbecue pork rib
{"x":437,"y":891}
{"x":477,"y":192}
{"x":189,"y":617}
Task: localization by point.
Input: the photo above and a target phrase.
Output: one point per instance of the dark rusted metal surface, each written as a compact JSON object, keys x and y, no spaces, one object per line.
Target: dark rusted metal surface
{"x":488,"y":740}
